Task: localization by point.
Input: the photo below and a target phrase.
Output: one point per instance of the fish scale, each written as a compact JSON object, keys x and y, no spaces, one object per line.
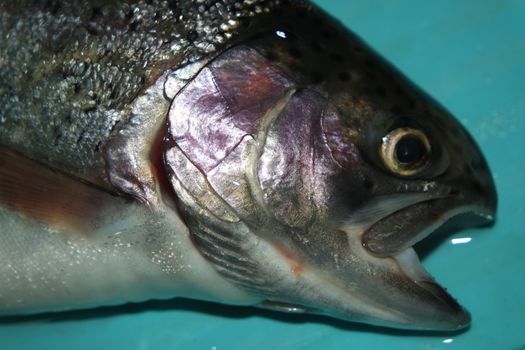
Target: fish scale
{"x":67,"y":81}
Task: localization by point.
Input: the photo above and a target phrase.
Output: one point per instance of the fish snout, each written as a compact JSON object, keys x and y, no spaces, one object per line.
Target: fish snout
{"x":485,"y":188}
{"x":477,"y":193}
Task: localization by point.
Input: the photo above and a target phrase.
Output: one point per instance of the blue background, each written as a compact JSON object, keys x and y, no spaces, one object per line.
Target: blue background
{"x":470,"y":55}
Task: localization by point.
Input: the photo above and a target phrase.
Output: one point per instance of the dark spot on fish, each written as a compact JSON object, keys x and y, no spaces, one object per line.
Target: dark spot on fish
{"x":114,"y":126}
{"x":396,"y":109}
{"x":271,"y":56}
{"x":76,"y":88}
{"x":295,"y":53}
{"x":295,"y":67}
{"x":381,"y":91}
{"x":370,"y":63}
{"x":477,"y":165}
{"x":277,"y":12}
{"x":477,"y":186}
{"x":80,"y":137}
{"x":316,"y":47}
{"x":174,"y":6}
{"x":133,"y":26}
{"x":129,"y":14}
{"x":370,"y":75}
{"x":288,"y":26}
{"x":434,"y":215}
{"x":97,"y":146}
{"x":457,"y":148}
{"x":358,"y":49}
{"x":368,"y":184}
{"x":95,"y":13}
{"x":367,"y":91}
{"x":398,"y":90}
{"x":301,"y":13}
{"x":317,"y":77}
{"x":58,"y":136}
{"x":257,"y":36}
{"x":337,"y":57}
{"x":455,"y":131}
{"x":343,"y":76}
{"x":114,"y":94}
{"x":30,"y":74}
{"x":454,"y":191}
{"x":245,"y":22}
{"x":411,"y":103}
{"x":89,"y":108}
{"x":441,"y":127}
{"x":192,"y":35}
{"x":467,"y":169}
{"x":69,"y":118}
{"x":318,"y":22}
{"x":54,"y":7}
{"x":327,"y":35}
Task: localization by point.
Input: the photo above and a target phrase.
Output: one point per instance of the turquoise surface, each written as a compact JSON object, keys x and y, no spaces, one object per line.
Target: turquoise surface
{"x":470,"y":55}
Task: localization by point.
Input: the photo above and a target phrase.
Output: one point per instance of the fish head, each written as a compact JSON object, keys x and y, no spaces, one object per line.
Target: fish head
{"x":306,"y":168}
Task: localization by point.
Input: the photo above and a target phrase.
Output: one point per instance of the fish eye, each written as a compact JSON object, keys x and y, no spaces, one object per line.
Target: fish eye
{"x":405,"y":151}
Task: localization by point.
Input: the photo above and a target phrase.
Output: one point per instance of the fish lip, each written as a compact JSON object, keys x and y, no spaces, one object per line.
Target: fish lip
{"x":441,"y":210}
{"x":454,"y":316}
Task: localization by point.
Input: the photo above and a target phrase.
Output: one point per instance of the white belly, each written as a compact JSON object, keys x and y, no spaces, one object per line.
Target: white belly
{"x":133,"y":256}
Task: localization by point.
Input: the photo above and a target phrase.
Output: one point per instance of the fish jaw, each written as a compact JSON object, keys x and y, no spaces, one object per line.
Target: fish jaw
{"x":341,"y":276}
{"x":344,"y":279}
{"x":390,"y":292}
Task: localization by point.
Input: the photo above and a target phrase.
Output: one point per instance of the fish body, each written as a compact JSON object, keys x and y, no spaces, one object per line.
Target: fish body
{"x":245,"y":152}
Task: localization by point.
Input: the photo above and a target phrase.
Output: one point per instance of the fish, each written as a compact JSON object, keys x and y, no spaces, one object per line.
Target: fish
{"x":245,"y":152}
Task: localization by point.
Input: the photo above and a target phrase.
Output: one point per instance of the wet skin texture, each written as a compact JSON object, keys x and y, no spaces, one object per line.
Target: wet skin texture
{"x":267,"y":128}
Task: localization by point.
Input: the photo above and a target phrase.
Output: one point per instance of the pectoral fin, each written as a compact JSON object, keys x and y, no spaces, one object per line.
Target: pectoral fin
{"x":61,"y":202}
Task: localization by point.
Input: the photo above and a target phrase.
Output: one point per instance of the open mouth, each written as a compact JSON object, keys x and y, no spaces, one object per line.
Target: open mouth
{"x":409,"y":263}
{"x":409,"y":225}
{"x":388,"y":286}
{"x":389,"y":228}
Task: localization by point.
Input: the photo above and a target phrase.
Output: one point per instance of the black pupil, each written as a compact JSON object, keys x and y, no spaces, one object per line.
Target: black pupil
{"x":409,"y":150}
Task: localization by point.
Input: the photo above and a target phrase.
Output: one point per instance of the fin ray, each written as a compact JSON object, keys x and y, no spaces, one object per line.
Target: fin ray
{"x":48,"y":196}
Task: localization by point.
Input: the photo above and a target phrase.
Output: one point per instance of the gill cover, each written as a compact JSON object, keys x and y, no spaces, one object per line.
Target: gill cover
{"x":243,"y":142}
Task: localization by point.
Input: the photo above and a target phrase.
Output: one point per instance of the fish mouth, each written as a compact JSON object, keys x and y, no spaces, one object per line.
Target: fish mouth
{"x":401,"y":222}
{"x":409,"y":225}
{"x":374,"y":274}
